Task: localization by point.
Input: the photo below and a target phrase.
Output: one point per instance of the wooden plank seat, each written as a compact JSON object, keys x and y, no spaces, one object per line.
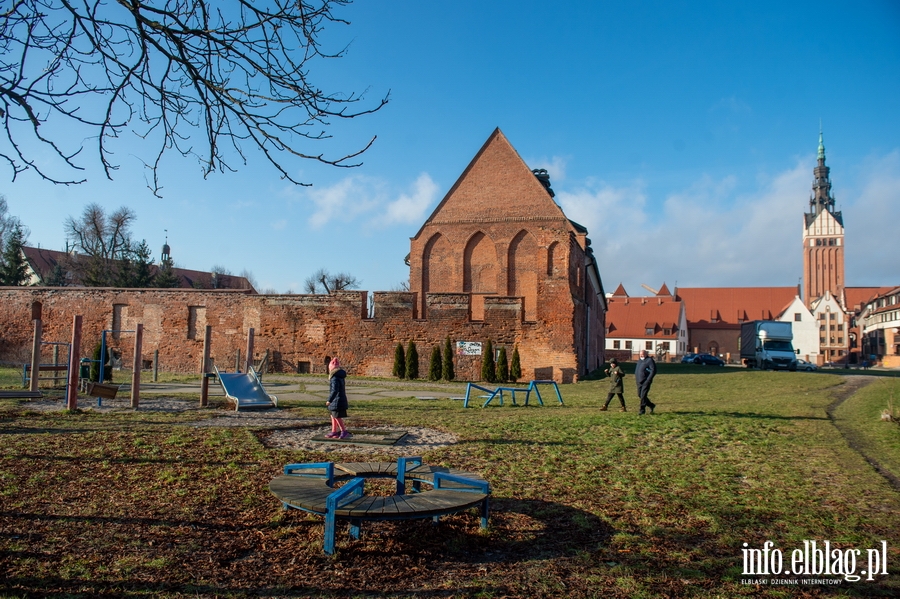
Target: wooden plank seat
{"x":102,"y":390}
{"x":309,"y":487}
{"x":21,"y":394}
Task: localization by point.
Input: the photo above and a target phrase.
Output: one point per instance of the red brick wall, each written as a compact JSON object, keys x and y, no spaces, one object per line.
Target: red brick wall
{"x":294,"y":328}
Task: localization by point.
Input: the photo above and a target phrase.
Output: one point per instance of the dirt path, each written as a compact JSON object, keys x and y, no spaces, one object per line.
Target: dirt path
{"x":853,"y":384}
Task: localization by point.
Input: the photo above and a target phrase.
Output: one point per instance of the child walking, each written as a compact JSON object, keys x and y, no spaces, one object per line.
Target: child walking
{"x":615,"y":388}
{"x":337,"y":400}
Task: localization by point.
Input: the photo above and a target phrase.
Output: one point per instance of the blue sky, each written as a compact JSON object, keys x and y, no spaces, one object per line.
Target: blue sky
{"x":682,"y":134}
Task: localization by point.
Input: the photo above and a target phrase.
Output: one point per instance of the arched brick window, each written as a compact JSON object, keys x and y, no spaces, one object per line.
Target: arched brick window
{"x":522,"y":272}
{"x":438,"y":274}
{"x":480,"y":265}
{"x":555,"y":266}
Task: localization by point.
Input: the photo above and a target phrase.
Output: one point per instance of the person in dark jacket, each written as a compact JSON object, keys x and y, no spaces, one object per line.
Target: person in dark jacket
{"x":643,"y":376}
{"x":615,"y":386}
{"x":337,"y":400}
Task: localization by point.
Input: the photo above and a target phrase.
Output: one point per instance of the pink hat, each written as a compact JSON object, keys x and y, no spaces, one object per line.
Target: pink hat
{"x":334,"y":364}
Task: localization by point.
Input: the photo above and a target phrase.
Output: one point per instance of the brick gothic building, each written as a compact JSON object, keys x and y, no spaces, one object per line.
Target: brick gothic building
{"x":499,"y":234}
{"x":496,"y":260}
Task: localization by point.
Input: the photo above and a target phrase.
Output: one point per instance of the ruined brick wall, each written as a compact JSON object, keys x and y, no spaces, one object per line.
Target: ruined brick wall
{"x":297,"y":330}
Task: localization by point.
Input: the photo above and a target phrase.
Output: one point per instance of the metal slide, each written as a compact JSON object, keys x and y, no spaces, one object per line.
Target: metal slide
{"x":245,"y":390}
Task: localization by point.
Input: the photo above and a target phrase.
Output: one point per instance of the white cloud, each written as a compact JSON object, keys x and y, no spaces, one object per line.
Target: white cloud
{"x":280,"y":224}
{"x":556,"y":167}
{"x":714,"y":233}
{"x":345,"y":199}
{"x":870,"y":216}
{"x":411,"y":207}
{"x":355,"y":196}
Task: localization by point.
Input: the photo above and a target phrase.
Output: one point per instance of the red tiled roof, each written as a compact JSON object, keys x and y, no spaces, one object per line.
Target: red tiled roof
{"x":631,"y":318}
{"x":620,"y":291}
{"x":884,"y":294}
{"x":43,"y":261}
{"x":730,"y":305}
{"x":664,"y":290}
{"x":856,"y":297}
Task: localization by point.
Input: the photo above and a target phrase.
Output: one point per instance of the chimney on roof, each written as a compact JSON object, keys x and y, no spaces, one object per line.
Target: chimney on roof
{"x":643,"y":301}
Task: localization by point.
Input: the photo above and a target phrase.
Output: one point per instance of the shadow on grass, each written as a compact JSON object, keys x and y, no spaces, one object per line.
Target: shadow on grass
{"x":745,"y":415}
{"x":134,"y":461}
{"x":522,"y":532}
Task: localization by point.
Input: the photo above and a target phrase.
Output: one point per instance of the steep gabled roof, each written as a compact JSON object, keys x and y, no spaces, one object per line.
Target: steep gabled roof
{"x":497,"y":181}
{"x":620,"y":291}
{"x":730,"y":305}
{"x":856,"y":297}
{"x":664,"y":291}
{"x":630,"y":319}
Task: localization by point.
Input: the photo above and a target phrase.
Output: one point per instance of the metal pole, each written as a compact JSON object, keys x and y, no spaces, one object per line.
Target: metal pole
{"x":204,"y":383}
{"x":237,"y":361}
{"x":249,"y":349}
{"x":55,"y":363}
{"x":136,"y":368}
{"x":102,"y":358}
{"x":36,"y":355}
{"x":74,"y":359}
{"x":155,"y":365}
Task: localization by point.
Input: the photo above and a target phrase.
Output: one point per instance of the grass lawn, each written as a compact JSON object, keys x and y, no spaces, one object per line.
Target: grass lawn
{"x":584,"y":503}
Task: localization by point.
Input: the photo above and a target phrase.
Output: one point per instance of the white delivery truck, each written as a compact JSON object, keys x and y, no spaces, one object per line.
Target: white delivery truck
{"x":768,"y":344}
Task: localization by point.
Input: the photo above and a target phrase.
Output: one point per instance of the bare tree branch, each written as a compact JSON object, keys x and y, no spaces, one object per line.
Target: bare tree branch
{"x":323,"y":281}
{"x":196,"y":77}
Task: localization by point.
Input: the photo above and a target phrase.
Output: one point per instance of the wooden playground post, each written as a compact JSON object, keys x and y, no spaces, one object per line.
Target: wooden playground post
{"x":74,"y":363}
{"x":204,"y":383}
{"x":249,"y":349}
{"x":36,"y":355}
{"x":136,"y":368}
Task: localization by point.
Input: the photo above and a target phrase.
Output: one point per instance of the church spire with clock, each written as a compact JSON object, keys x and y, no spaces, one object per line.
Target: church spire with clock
{"x":823,"y":238}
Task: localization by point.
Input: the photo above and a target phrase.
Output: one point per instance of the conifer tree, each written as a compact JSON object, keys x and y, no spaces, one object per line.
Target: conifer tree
{"x":57,"y":277}
{"x":488,"y":367}
{"x":399,"y":361}
{"x":95,"y":365}
{"x":502,"y":366}
{"x":166,"y":277}
{"x":13,"y":266}
{"x":434,"y":367}
{"x":515,"y":369}
{"x":142,"y":276}
{"x":412,"y":361}
{"x":447,"y":368}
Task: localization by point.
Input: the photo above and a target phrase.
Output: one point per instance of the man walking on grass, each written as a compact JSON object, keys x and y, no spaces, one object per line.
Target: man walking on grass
{"x":643,"y":376}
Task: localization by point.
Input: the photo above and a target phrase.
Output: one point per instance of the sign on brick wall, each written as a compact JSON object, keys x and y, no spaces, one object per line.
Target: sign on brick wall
{"x":468,"y":348}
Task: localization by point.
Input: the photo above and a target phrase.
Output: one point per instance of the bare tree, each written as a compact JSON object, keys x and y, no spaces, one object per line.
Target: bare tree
{"x":237,"y":71}
{"x":323,"y":281}
{"x":103,"y":239}
{"x":8,"y":222}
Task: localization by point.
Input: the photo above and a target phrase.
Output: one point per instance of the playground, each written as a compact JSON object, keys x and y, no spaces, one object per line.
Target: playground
{"x":177,"y":502}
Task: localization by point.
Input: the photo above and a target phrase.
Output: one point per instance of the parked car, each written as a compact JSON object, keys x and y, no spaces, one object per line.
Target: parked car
{"x":708,"y":360}
{"x":688,"y":358}
{"x":807,"y":366}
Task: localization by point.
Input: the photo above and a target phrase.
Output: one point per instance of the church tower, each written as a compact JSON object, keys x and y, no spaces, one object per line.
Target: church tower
{"x":823,"y":238}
